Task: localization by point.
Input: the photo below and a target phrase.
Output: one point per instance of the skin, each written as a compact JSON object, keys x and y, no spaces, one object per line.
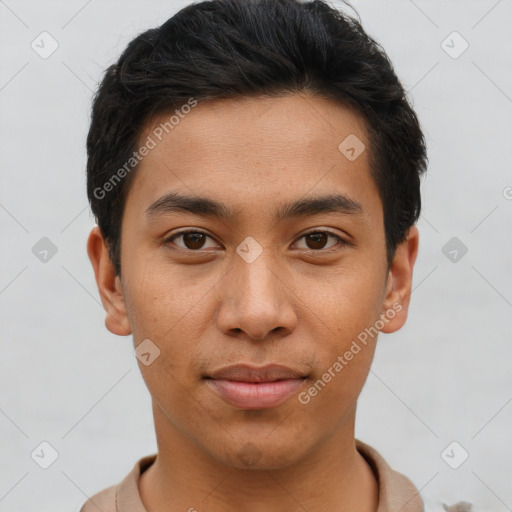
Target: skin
{"x":301,"y":303}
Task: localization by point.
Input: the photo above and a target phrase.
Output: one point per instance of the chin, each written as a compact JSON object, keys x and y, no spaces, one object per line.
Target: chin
{"x":261,"y":454}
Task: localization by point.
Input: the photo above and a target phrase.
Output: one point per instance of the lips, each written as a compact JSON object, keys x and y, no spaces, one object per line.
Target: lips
{"x":246,"y":373}
{"x":249,"y":387}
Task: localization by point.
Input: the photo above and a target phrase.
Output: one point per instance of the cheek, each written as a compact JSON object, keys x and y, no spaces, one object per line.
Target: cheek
{"x":346,"y":320}
{"x":343,"y":357}
{"x":161,"y":300}
{"x":161,"y":309}
{"x":349,"y":302}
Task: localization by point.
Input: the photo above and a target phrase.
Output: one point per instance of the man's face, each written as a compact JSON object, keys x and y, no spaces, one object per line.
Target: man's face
{"x":268,"y":285}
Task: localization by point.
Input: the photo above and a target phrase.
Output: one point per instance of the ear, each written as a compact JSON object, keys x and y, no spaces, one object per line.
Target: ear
{"x":399,"y":283}
{"x":109,"y":285}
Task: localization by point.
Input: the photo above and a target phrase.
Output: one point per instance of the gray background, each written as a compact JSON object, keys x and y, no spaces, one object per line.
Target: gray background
{"x":444,"y":377}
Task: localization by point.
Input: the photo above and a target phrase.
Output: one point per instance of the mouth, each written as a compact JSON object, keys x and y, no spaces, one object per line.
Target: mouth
{"x":248,"y":387}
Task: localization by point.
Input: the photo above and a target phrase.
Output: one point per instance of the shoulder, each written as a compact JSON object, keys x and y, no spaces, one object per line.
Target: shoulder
{"x":124,"y":495}
{"x":104,"y":500}
{"x":396,"y":491}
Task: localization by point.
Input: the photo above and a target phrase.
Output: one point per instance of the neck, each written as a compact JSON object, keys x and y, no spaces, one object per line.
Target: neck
{"x":183,"y":477}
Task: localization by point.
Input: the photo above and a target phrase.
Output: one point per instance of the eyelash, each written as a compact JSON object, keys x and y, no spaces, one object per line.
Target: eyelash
{"x":340,"y":240}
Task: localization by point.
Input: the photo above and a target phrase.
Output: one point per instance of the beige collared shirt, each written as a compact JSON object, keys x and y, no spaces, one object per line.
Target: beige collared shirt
{"x":396,"y":492}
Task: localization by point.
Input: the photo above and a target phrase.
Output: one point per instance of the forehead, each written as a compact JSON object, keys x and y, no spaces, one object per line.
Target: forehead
{"x":264,"y":124}
{"x":253,"y":151}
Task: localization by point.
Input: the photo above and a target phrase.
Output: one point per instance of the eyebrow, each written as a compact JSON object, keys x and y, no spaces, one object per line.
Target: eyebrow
{"x":178,"y":203}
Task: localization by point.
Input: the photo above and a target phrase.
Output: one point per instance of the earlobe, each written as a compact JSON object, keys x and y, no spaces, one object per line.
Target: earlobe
{"x":109,"y":285}
{"x":399,"y":284}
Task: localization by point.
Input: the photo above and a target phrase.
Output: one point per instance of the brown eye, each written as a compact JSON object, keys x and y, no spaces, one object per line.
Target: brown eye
{"x":317,"y":240}
{"x":191,"y":240}
{"x":194,"y":240}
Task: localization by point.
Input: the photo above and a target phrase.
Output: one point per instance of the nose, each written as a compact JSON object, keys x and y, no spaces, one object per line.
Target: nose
{"x":256,"y":300}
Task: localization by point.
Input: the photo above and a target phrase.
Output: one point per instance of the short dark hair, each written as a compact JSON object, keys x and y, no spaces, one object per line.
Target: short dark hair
{"x":234,"y":48}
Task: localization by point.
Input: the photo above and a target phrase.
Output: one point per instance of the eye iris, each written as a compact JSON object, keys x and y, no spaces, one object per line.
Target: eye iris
{"x":317,"y":238}
{"x":197,"y":240}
